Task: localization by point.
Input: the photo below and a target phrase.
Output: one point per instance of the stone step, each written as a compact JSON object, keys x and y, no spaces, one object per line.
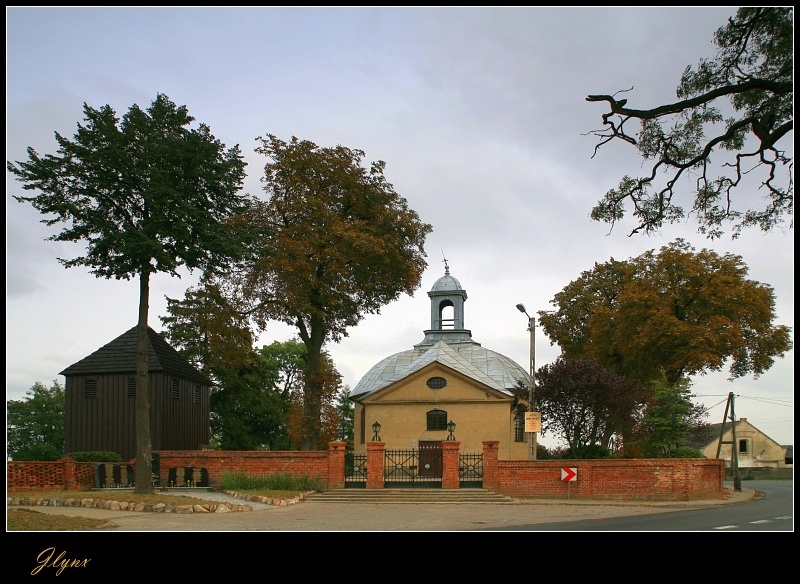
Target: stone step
{"x":411,"y":495}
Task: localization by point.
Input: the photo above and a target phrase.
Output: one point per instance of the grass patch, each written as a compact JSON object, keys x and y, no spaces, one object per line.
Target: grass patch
{"x":275,"y":482}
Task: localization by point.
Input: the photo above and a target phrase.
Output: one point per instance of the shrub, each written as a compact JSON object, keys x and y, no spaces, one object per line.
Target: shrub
{"x":37,"y":452}
{"x":275,"y":482}
{"x":96,"y":456}
{"x":686,"y":452}
{"x":587,"y":452}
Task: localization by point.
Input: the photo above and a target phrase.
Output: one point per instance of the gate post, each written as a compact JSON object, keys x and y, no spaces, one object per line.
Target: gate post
{"x":450,"y":478}
{"x":490,"y":478}
{"x":375,"y":453}
{"x":336,"y":450}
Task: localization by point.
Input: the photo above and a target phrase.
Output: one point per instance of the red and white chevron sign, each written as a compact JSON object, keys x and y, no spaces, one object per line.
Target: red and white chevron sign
{"x":569,"y":475}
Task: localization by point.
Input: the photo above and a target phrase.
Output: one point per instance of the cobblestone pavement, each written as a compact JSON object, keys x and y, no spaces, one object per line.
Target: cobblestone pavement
{"x":310,"y":516}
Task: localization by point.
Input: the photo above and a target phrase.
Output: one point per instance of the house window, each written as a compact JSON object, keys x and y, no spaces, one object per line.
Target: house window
{"x":131,"y":387}
{"x":519,"y":425}
{"x":436,"y":382}
{"x":743,"y":446}
{"x":175,"y":393}
{"x":198,"y":395}
{"x":89,"y":389}
{"x":437,"y":420}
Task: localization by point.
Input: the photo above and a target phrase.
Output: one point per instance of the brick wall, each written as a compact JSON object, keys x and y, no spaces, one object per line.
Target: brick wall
{"x":59,"y":475}
{"x":657,"y":479}
{"x":668,"y":479}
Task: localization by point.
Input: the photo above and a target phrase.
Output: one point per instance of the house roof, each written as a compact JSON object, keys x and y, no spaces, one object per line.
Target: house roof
{"x":700,"y":438}
{"x":488,"y":367}
{"x":119,"y":356}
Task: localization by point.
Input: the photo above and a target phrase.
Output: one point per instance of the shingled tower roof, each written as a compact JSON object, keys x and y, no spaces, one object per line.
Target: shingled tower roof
{"x":119,"y":356}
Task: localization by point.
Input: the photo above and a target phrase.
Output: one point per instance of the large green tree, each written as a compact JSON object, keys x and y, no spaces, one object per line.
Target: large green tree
{"x":668,"y":421}
{"x":146,"y":194}
{"x":586,"y":404}
{"x":35,"y":425}
{"x":729,"y":128}
{"x":672,"y":314}
{"x":339,"y":244}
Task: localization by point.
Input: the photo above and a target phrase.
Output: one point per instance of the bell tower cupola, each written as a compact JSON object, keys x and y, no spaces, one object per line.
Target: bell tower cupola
{"x":447,"y":312}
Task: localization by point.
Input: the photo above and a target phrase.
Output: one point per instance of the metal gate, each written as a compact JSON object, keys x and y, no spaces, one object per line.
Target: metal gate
{"x":413,"y":468}
{"x":355,"y":470}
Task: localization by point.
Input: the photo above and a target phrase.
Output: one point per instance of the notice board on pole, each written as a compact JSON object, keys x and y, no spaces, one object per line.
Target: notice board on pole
{"x":533,"y":421}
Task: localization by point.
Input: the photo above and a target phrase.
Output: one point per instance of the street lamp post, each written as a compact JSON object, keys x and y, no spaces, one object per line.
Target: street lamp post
{"x":532,"y":368}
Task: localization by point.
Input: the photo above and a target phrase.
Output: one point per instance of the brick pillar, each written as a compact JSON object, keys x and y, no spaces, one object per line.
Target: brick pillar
{"x":450,"y":477}
{"x":375,"y":453}
{"x":70,"y":482}
{"x":491,"y":480}
{"x":336,"y":451}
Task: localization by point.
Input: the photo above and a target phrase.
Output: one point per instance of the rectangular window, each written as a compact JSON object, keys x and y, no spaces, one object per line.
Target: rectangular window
{"x":198,"y":394}
{"x":437,"y":420}
{"x":519,"y":425}
{"x":89,"y":389}
{"x":131,"y":387}
{"x":176,"y":389}
{"x":743,"y":446}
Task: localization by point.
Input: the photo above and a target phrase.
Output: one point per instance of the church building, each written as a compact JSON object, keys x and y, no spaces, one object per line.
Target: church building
{"x":447,"y":387}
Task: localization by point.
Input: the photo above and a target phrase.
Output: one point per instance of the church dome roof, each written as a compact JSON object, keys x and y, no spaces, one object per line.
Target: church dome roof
{"x":446,"y":283}
{"x":484,"y":365}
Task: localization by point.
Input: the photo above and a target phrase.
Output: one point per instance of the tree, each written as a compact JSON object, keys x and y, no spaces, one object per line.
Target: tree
{"x":346,"y":411}
{"x":585,"y":403}
{"x":670,"y":416}
{"x":339,"y":244}
{"x":207,"y":330}
{"x":737,"y":110}
{"x":147,"y":195}
{"x":670,"y":315}
{"x":251,"y":403}
{"x":35,"y":425}
{"x":326,"y":426}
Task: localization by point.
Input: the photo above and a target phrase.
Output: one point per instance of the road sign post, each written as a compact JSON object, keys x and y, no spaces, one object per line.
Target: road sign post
{"x":569,"y":475}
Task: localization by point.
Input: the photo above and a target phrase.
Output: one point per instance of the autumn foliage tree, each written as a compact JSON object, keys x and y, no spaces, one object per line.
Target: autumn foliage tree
{"x":146,"y":194}
{"x":339,"y":243}
{"x":669,"y":314}
{"x":729,"y":128}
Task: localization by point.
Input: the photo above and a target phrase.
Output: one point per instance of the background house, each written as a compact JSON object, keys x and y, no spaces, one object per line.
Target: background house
{"x":754,"y":449}
{"x":100,"y":395}
{"x":446,"y":377}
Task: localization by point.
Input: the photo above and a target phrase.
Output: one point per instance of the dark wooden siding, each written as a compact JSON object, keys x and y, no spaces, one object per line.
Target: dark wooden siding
{"x":108,"y":422}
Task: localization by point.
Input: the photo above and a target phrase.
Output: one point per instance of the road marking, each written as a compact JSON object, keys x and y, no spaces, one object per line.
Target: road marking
{"x":727,"y":527}
{"x":762,"y":521}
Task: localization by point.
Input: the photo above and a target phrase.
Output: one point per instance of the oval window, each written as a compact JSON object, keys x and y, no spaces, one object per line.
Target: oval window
{"x":437,"y":382}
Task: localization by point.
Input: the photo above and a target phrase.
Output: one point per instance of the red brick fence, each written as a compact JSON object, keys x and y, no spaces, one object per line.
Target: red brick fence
{"x":665,"y":479}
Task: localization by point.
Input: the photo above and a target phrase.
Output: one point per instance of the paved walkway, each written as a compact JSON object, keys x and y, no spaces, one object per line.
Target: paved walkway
{"x":310,"y":516}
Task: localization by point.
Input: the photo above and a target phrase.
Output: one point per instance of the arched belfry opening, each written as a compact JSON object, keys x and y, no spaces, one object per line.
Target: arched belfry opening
{"x":447,"y":312}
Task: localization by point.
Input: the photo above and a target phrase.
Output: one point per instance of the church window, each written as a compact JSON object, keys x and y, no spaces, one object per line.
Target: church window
{"x":519,"y":425}
{"x":437,"y":382}
{"x":437,"y":420}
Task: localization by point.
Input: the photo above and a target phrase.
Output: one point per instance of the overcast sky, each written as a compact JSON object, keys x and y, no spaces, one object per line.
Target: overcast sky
{"x":479,"y":114}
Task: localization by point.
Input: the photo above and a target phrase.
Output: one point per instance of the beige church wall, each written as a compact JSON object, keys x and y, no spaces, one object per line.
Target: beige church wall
{"x":480,"y":413}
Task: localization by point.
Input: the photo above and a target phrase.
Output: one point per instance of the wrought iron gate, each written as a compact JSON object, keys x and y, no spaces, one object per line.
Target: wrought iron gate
{"x":413,"y":468}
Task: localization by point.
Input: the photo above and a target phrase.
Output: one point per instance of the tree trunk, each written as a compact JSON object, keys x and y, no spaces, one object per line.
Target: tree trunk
{"x":143,"y":468}
{"x":313,"y":386}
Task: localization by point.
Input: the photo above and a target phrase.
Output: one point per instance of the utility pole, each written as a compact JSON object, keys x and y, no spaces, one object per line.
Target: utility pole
{"x":532,"y":446}
{"x":737,"y":481}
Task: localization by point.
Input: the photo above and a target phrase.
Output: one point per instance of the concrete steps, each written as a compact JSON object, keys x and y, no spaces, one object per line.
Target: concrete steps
{"x":412,"y":495}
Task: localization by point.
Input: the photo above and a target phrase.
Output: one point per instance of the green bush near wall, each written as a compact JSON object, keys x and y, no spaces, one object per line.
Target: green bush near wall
{"x":275,"y":482}
{"x":95,"y":456}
